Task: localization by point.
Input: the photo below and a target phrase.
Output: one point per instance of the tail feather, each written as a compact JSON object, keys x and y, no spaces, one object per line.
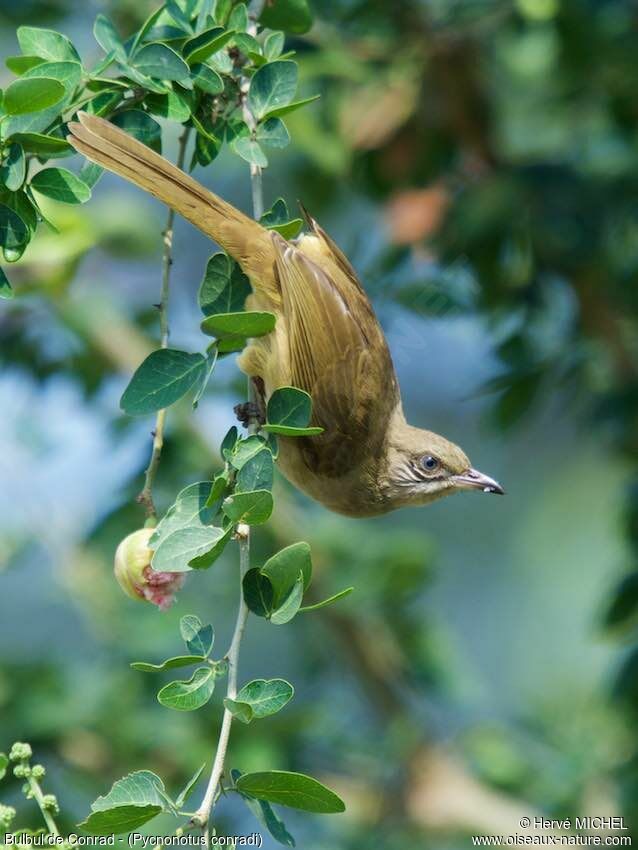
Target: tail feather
{"x":245,"y":240}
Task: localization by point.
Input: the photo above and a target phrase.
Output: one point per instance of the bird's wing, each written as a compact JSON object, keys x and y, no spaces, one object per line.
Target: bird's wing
{"x":339,"y":355}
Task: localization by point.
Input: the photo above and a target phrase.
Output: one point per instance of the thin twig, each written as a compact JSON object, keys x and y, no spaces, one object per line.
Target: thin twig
{"x":36,"y":792}
{"x":208,"y":803}
{"x":203,"y":814}
{"x":145,"y":498}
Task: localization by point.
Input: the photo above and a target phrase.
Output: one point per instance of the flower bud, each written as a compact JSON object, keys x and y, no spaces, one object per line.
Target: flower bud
{"x":20,"y":752}
{"x":137,"y":578}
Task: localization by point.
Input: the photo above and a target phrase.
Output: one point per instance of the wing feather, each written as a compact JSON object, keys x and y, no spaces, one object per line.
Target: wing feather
{"x":339,"y":355}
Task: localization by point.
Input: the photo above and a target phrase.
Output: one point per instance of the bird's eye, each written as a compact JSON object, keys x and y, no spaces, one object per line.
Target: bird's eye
{"x":429,"y":463}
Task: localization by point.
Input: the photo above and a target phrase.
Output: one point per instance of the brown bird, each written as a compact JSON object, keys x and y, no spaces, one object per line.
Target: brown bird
{"x":327,"y":341}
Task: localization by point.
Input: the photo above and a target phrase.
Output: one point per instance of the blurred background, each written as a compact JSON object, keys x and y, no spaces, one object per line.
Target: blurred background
{"x":478,"y":163}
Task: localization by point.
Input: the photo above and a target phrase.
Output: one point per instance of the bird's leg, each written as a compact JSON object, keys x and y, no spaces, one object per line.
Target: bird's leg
{"x":253,"y":411}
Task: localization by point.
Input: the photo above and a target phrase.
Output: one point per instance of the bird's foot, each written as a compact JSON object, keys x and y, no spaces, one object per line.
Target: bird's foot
{"x":249,"y":412}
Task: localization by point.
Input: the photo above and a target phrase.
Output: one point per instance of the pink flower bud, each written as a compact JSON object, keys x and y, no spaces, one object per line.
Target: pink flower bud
{"x":137,"y":578}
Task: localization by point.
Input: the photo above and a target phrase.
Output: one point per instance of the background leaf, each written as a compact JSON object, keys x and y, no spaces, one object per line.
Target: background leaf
{"x":253,"y":508}
{"x":197,"y":637}
{"x":164,"y":377}
{"x":189,"y":695}
{"x":25,"y":95}
{"x":289,"y":406}
{"x":61,"y":185}
{"x":291,"y":789}
{"x":176,"y":551}
{"x":249,"y":323}
{"x":169,"y":664}
{"x":51,"y":45}
{"x":266,"y":696}
{"x":272,"y":86}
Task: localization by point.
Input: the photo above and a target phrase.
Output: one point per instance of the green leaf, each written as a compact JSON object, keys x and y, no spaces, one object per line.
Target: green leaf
{"x":257,"y":473}
{"x":44,"y":146}
{"x":287,"y":431}
{"x":188,"y":789}
{"x":280,"y":111}
{"x":221,"y":62}
{"x":265,"y":815}
{"x":271,"y":87}
{"x":34,"y":95}
{"x":240,"y":710}
{"x":245,"y":324}
{"x":14,"y":233}
{"x":6,"y":291}
{"x":266,"y":696}
{"x":229,"y":441}
{"x":291,"y":789}
{"x":207,"y":80}
{"x":243,"y":450}
{"x":90,"y":173}
{"x":278,"y":218}
{"x":171,"y":105}
{"x":131,"y":802}
{"x":203,"y":45}
{"x":283,"y":569}
{"x":148,"y":24}
{"x":179,"y":16}
{"x":203,"y":562}
{"x":108,"y":38}
{"x":189,"y":509}
{"x":169,"y":664}
{"x":197,"y":637}
{"x":224,"y":288}
{"x":14,"y":167}
{"x":248,"y":45}
{"x":325,"y":602}
{"x":274,"y":45}
{"x":61,"y":185}
{"x":35,"y":41}
{"x":289,"y":406}
{"x":161,"y":62}
{"x":4,"y":762}
{"x":258,"y":593}
{"x":142,"y":127}
{"x":211,"y":360}
{"x":253,"y":508}
{"x":178,"y":550}
{"x":273,"y":133}
{"x":119,"y":820}
{"x":290,"y":606}
{"x":289,"y":15}
{"x":103,"y":103}
{"x":238,"y":18}
{"x":189,"y":695}
{"x":19,"y":64}
{"x":249,"y":150}
{"x":222,"y":10}
{"x":68,"y":73}
{"x":217,"y":490}
{"x":164,"y":377}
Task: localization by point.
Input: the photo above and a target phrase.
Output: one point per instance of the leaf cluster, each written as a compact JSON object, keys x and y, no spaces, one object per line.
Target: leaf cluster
{"x":186,"y":64}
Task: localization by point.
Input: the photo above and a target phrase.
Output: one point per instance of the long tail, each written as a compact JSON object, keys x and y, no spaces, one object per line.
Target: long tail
{"x":244,"y":239}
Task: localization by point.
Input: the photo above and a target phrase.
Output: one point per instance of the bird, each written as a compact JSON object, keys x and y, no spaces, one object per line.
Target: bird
{"x":327,"y":341}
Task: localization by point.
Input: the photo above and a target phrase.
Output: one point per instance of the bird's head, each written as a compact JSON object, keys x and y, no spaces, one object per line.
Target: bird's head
{"x":423,"y":466}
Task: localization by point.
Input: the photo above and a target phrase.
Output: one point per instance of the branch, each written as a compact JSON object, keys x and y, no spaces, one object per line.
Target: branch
{"x":36,"y":791}
{"x":202,"y":816}
{"x":146,"y":496}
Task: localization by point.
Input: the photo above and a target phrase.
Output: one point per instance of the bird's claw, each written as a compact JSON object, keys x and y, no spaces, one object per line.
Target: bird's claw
{"x":248,"y":412}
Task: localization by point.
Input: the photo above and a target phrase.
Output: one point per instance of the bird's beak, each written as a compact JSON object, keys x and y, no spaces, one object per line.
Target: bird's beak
{"x":472,"y":479}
